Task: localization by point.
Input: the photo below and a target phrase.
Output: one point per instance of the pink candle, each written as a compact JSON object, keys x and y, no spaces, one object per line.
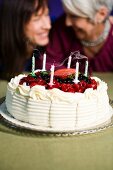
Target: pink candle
{"x":52,"y":75}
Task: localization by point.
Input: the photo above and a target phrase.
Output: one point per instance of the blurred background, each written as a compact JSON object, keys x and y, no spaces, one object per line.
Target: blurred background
{"x":56,"y":9}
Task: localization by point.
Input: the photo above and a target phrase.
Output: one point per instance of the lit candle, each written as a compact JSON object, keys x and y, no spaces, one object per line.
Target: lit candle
{"x":44,"y":63}
{"x":76,"y":73}
{"x":33,"y":64}
{"x":52,"y":75}
{"x":69,"y":61}
{"x":86,"y":69}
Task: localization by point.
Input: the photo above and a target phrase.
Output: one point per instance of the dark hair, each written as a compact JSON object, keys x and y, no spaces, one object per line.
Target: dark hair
{"x":14,"y":14}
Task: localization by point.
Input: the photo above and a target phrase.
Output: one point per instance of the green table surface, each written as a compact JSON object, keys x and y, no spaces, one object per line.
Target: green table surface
{"x":21,"y":150}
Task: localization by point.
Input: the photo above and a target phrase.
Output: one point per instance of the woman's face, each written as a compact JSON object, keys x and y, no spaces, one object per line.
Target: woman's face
{"x":37,"y":29}
{"x":83,"y":27}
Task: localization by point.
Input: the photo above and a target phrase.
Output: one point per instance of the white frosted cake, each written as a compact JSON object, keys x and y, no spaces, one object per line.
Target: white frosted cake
{"x":63,"y":106}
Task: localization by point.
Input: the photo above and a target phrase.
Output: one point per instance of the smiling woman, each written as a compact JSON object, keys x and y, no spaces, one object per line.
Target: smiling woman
{"x":84,"y":27}
{"x":24,"y":25}
{"x":37,"y":29}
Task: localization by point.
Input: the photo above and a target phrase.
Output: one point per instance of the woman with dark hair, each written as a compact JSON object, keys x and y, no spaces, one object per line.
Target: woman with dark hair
{"x":24,"y":25}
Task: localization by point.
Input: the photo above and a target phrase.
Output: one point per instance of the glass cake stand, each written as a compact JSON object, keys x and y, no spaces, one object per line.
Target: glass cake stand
{"x":22,"y":127}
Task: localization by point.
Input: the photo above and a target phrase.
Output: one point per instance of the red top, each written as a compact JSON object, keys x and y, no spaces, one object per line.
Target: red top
{"x":63,"y":41}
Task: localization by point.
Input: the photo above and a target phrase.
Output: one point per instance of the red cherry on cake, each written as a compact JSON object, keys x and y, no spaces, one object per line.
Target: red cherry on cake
{"x":41,"y":82}
{"x":56,"y":84}
{"x":64,"y":87}
{"x":67,"y":87}
{"x":49,"y":86}
{"x":23,"y":80}
{"x":64,"y":73}
{"x":82,"y":83}
{"x":93,"y":84}
{"x":90,"y":86}
{"x":37,"y":82}
{"x":81,"y":89}
{"x":71,"y":90}
{"x":76,"y":87}
{"x":33,"y":84}
{"x":30,"y":78}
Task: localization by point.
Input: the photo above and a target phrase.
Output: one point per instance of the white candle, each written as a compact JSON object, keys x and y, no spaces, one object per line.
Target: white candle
{"x":69,"y":61}
{"x":76,"y":73}
{"x":86,"y":69}
{"x":33,"y":64}
{"x":52,"y":75}
{"x":44,"y":63}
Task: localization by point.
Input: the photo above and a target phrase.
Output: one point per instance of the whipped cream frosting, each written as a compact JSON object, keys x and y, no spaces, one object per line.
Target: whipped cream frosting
{"x":57,"y":109}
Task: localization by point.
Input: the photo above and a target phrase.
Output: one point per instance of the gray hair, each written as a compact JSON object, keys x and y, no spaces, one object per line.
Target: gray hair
{"x":87,"y":8}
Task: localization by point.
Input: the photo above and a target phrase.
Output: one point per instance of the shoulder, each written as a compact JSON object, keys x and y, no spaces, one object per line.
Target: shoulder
{"x":110,"y":37}
{"x":60,"y":20}
{"x":108,"y":46}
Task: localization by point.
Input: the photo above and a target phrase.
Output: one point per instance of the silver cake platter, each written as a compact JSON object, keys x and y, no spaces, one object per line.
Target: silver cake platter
{"x":9,"y":121}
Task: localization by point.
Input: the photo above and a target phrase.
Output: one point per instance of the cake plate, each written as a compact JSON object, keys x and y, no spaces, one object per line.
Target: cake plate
{"x":20,"y":126}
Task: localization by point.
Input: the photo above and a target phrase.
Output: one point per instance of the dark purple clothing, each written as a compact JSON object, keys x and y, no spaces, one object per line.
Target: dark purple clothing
{"x":63,"y":41}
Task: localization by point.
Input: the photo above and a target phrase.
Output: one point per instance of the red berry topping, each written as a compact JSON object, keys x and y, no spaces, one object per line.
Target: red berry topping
{"x":71,"y":90}
{"x":83,"y":84}
{"x":93,"y":84}
{"x":56,"y":84}
{"x":63,"y":80}
{"x":65,"y":87}
{"x":33,"y":84}
{"x":76,"y":87}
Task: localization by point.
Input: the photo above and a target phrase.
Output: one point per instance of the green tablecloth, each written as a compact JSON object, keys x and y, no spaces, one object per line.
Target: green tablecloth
{"x":20,"y":150}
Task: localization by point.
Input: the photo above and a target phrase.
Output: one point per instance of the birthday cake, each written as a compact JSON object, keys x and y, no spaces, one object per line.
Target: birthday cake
{"x":60,"y":105}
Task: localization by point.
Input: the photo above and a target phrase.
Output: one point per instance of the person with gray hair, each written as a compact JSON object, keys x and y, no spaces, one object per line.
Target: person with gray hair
{"x":85,"y":27}
{"x":90,"y":14}
{"x":87,"y":8}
